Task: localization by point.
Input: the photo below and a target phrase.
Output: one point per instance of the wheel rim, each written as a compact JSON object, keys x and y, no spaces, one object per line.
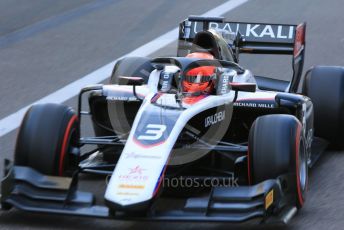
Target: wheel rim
{"x":302,"y":167}
{"x":70,"y":140}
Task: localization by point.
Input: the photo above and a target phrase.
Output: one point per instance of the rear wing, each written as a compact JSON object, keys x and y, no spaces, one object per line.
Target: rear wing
{"x":256,"y":38}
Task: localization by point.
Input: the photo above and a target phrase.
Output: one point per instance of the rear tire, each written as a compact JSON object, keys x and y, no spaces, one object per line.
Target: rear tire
{"x":47,"y":133}
{"x":325,"y":86}
{"x":276,"y":147}
{"x":131,"y":67}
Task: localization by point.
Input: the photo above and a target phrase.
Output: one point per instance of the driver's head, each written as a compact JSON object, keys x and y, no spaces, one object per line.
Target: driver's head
{"x":199,"y":79}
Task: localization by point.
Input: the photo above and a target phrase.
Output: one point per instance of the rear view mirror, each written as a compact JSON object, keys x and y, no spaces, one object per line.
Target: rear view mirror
{"x":134,"y":81}
{"x":244,"y":87}
{"x":123,"y":80}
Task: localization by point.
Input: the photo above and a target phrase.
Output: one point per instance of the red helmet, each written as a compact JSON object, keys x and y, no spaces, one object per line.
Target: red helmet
{"x":199,"y":79}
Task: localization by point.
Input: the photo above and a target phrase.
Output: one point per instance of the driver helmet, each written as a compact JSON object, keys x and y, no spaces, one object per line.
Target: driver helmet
{"x":199,"y":79}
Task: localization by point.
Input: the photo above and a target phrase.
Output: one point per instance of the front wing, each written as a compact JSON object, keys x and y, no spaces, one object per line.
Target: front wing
{"x":29,"y":190}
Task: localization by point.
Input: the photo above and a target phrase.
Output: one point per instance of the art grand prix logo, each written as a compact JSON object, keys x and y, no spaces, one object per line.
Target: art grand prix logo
{"x":134,"y":180}
{"x":134,"y":174}
{"x":136,"y":170}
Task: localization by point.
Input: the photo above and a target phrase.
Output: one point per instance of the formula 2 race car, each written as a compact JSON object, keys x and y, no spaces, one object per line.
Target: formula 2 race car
{"x":197,"y":132}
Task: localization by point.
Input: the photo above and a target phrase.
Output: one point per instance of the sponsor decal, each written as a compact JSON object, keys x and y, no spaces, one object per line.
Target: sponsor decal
{"x":254,"y":105}
{"x":140,"y":156}
{"x":213,"y":119}
{"x":134,"y":175}
{"x":127,"y":194}
{"x":122,"y":98}
{"x":136,"y":170}
{"x":269,"y":199}
{"x":131,"y":186}
{"x":133,"y":178}
{"x":259,"y":32}
{"x":224,"y":87}
{"x":256,"y":30}
{"x":166,"y":79}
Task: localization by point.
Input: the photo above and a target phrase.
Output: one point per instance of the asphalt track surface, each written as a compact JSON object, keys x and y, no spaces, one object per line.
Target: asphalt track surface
{"x":46,"y":44}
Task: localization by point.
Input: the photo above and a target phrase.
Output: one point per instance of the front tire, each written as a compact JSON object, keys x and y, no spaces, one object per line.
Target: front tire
{"x":277,"y":147}
{"x":47,"y":134}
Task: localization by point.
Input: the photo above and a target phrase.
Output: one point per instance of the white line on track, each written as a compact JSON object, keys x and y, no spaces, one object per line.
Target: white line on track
{"x":13,"y":121}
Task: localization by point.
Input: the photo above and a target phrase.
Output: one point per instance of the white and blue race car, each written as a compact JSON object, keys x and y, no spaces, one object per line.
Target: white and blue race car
{"x":238,"y":151}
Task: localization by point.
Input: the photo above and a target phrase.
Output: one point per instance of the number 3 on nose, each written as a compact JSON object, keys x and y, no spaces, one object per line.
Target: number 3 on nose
{"x":154,"y":132}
